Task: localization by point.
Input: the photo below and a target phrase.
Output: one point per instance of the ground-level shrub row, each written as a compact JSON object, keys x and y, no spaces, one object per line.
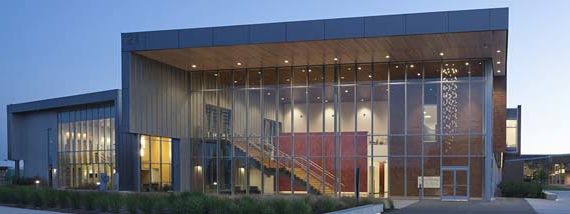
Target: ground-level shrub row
{"x":521,"y":190}
{"x":112,"y":202}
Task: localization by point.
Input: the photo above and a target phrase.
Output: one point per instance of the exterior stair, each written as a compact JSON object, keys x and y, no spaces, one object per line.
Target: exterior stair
{"x":321,"y":182}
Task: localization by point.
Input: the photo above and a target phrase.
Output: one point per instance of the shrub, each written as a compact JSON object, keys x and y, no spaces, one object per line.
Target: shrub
{"x":36,"y":199}
{"x":521,"y":190}
{"x":132,"y":203}
{"x":115,"y":202}
{"x":146,"y":203}
{"x":75,"y":200}
{"x":63,"y":199}
{"x":102,"y":202}
{"x":49,"y":198}
{"x":88,"y":200}
{"x":323,"y":204}
{"x":298,"y":206}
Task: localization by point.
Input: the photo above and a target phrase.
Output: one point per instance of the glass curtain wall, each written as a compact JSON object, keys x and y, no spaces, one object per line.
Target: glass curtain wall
{"x":86,"y":146}
{"x":156,"y":163}
{"x":313,"y":129}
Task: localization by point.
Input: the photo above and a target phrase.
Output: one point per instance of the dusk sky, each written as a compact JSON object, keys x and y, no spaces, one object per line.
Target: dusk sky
{"x":58,"y":48}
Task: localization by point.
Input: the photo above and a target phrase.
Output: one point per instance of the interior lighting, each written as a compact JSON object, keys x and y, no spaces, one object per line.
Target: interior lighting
{"x":441,"y":53}
{"x":238,"y":63}
{"x":498,"y":71}
{"x":466,"y":64}
{"x":335,"y":59}
{"x":193,"y":66}
{"x":387,"y":56}
{"x":286,"y":61}
{"x":498,"y":51}
{"x":498,"y":62}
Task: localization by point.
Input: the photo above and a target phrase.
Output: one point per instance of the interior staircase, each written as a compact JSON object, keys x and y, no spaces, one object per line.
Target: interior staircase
{"x":320,"y":180}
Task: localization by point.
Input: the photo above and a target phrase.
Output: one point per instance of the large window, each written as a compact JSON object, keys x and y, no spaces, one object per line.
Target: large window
{"x":86,"y":147}
{"x":156,"y":163}
{"x":310,"y":129}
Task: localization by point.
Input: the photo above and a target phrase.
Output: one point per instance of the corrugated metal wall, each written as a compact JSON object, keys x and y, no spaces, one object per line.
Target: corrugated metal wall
{"x":158,"y":97}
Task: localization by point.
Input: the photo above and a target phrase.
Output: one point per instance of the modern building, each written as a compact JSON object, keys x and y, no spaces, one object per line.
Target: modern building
{"x":545,"y":168}
{"x":409,"y":105}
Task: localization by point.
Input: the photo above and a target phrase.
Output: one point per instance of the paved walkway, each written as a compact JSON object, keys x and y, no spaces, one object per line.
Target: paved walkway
{"x":13,"y":210}
{"x":561,"y":205}
{"x":500,"y":205}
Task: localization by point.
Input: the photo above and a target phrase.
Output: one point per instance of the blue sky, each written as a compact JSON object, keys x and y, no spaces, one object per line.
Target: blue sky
{"x":59,"y":48}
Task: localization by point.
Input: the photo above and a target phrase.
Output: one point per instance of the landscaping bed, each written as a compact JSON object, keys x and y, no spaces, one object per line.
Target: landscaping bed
{"x":521,"y":190}
{"x":114,"y":202}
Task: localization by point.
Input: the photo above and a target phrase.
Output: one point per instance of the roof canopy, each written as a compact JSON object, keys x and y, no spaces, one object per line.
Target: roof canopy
{"x":423,"y":36}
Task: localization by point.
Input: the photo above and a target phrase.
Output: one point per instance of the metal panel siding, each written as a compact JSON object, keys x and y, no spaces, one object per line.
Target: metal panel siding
{"x":185,"y":166}
{"x":427,"y":23}
{"x":159,"y":97}
{"x":267,"y":33}
{"x":162,"y":39}
{"x":499,"y":19}
{"x":306,"y":30}
{"x":232,"y":35}
{"x":200,"y":37}
{"x":176,"y":164}
{"x":385,"y":25}
{"x":469,"y":20}
{"x":344,"y":28}
{"x":133,"y":41}
{"x":128,"y":167}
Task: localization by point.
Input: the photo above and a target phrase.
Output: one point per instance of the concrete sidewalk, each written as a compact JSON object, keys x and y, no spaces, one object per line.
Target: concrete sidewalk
{"x":500,"y":205}
{"x":13,"y":210}
{"x":561,"y":205}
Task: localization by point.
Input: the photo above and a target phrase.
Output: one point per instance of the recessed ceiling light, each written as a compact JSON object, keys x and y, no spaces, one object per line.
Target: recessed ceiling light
{"x":193,"y":66}
{"x":235,"y":81}
{"x":286,"y":61}
{"x":287,"y":80}
{"x":345,"y":91}
{"x":268,"y":93}
{"x":238,"y":63}
{"x":498,"y":62}
{"x":441,"y":53}
{"x":467,"y":64}
{"x":326,"y":101}
{"x":303,"y":70}
{"x":215,"y":75}
{"x":412,"y":65}
{"x":359,"y":68}
{"x":498,"y":71}
{"x":318,"y":98}
{"x":446,"y":64}
{"x":397,"y":66}
{"x":498,"y":51}
{"x":362,"y":100}
{"x":282,"y":98}
{"x":341,"y":78}
{"x":309,"y":70}
{"x":369,"y":75}
{"x":387,"y":56}
{"x":335,"y":59}
{"x":419,"y":74}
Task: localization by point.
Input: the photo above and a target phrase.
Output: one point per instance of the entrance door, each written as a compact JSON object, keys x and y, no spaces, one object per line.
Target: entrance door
{"x":455,"y":183}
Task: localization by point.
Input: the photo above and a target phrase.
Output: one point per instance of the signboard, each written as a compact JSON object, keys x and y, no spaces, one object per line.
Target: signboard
{"x":430,"y":182}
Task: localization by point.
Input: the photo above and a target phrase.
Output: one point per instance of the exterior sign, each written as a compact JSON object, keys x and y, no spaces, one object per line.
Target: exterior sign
{"x":430,"y":182}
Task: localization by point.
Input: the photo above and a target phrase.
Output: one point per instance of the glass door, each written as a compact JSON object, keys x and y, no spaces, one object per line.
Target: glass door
{"x":455,"y":183}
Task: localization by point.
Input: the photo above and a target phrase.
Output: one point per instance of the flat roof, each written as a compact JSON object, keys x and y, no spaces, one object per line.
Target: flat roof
{"x":61,"y":102}
{"x":458,"y":34}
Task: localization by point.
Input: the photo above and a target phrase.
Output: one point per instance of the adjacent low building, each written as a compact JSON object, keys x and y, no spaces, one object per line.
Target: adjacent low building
{"x":409,"y":106}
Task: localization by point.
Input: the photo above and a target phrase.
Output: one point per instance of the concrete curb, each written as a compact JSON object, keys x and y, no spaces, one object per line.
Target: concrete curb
{"x":366,"y":209}
{"x":550,"y":195}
